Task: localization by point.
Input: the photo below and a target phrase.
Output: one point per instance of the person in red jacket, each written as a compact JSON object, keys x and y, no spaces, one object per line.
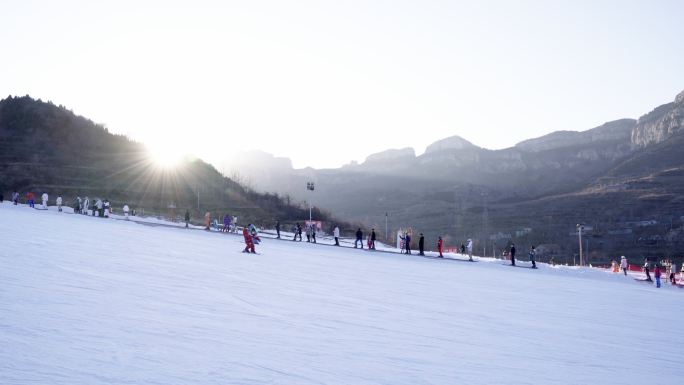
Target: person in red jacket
{"x":249,"y":243}
{"x":29,"y":199}
{"x":439,"y":247}
{"x":656,"y":272}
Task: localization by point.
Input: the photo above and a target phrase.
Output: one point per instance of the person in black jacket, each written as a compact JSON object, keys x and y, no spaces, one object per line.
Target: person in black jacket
{"x":187,"y":218}
{"x":372,"y":244}
{"x":513,"y":254}
{"x":278,"y":229}
{"x":359,"y":238}
{"x":421,"y":245}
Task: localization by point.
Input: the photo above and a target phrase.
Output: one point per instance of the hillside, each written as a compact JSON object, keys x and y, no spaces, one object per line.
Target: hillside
{"x":611,"y":176}
{"x":161,"y":305}
{"x":44,"y":147}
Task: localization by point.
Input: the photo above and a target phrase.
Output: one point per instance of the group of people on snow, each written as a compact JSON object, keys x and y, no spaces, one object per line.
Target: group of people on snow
{"x":86,"y":206}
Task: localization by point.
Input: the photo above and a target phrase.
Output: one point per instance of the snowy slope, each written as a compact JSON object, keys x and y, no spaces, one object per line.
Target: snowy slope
{"x":95,"y":301}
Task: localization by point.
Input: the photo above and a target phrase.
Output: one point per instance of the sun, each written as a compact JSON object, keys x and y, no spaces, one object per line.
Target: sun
{"x":165,"y":157}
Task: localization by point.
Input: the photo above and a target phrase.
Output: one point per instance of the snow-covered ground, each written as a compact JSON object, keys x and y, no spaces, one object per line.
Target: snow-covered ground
{"x":95,"y":301}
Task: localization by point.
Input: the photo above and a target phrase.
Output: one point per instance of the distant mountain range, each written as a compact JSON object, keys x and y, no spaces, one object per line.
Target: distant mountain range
{"x":47,"y":148}
{"x":610,"y":178}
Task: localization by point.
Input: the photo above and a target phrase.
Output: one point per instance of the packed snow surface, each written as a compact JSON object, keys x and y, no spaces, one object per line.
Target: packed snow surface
{"x":87,"y":300}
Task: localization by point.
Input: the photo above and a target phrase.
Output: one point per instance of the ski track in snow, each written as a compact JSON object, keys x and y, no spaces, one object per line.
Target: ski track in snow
{"x":94,"y":301}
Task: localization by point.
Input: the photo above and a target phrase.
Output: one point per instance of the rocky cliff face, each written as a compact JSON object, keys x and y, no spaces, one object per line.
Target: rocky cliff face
{"x":451,"y":143}
{"x":660,"y":124}
{"x":615,"y":131}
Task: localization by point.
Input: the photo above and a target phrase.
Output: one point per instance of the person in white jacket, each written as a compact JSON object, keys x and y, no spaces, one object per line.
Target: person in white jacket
{"x":100,"y":208}
{"x":336,"y":234}
{"x":59,"y":203}
{"x":44,"y":197}
{"x":106,"y":208}
{"x":470,"y":249}
{"x":125,"y":210}
{"x":623,"y":264}
{"x":86,"y":206}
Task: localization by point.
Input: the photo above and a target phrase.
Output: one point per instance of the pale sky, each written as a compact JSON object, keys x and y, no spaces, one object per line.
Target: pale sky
{"x":327,"y":82}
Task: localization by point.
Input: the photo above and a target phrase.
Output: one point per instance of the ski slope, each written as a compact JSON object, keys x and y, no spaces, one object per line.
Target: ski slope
{"x":86,"y":300}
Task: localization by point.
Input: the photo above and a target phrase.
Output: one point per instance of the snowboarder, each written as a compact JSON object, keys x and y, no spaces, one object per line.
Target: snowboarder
{"x":470,"y":249}
{"x":439,"y":245}
{"x":44,"y":198}
{"x":512,"y":254}
{"x":15,"y":197}
{"x":59,"y":203}
{"x":336,"y":234}
{"x":359,"y":238}
{"x":656,"y":273}
{"x":532,"y":255}
{"x":187,"y":218}
{"x":126,"y":209}
{"x":623,"y":264}
{"x":647,"y":268}
{"x":249,"y":244}
{"x":373,"y":237}
{"x":421,"y":244}
{"x":278,"y":229}
{"x":207,"y":221}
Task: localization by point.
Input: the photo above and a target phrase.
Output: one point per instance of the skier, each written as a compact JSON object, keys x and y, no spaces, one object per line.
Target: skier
{"x":126,"y":209}
{"x":15,"y":197}
{"x":226,"y":223}
{"x":249,"y":244}
{"x":407,"y":242}
{"x":623,"y":264}
{"x":278,"y":229}
{"x":336,"y":234}
{"x":421,"y":245}
{"x":373,"y":237}
{"x":107,"y":208}
{"x":44,"y":198}
{"x":29,"y":199}
{"x":207,"y":221}
{"x":532,"y":254}
{"x":254,"y":233}
{"x":187,"y":218}
{"x":308,"y":233}
{"x":656,"y":273}
{"x":462,"y":248}
{"x":439,"y":245}
{"x":359,"y":238}
{"x":647,"y":267}
{"x":77,"y":205}
{"x":59,"y":203}
{"x":512,"y":254}
{"x":100,"y":208}
{"x":313,"y":233}
{"x":470,"y":249}
{"x":86,"y":206}
{"x":673,"y":271}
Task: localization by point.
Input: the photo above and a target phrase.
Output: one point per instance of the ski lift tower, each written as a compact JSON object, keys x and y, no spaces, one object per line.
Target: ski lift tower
{"x":310,"y":187}
{"x":580,"y":227}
